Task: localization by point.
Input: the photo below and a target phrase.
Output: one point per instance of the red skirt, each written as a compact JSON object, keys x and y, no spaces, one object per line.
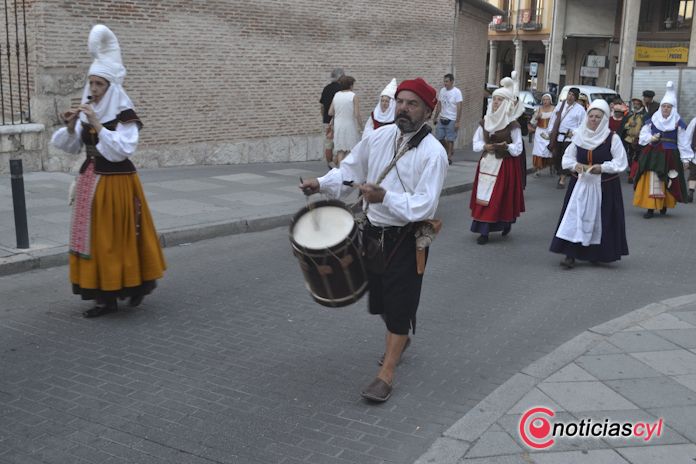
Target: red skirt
{"x":507,"y":199}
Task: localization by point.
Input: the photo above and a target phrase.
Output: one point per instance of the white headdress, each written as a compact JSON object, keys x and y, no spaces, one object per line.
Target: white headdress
{"x":591,"y":139}
{"x":107,"y":64}
{"x":515,"y":81}
{"x":390,"y":89}
{"x":519,"y":106}
{"x":507,"y":112}
{"x":670,"y":122}
{"x":386,"y":116}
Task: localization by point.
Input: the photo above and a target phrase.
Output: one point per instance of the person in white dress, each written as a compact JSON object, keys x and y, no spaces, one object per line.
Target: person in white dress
{"x":345,"y":110}
{"x":542,"y":157}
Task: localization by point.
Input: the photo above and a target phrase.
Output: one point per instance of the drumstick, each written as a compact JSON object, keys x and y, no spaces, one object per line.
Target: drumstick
{"x":307,"y":191}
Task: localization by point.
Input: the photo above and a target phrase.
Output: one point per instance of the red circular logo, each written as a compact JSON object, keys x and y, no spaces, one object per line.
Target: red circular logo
{"x":535,"y":427}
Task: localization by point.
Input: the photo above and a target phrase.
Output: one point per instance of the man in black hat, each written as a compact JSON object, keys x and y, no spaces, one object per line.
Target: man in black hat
{"x":650,"y":105}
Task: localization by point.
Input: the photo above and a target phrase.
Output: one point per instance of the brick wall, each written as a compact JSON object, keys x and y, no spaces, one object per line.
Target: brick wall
{"x":470,"y":52}
{"x":239,"y":81}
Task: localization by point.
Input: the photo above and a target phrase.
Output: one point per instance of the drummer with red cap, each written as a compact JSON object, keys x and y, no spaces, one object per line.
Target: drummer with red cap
{"x":400,"y":169}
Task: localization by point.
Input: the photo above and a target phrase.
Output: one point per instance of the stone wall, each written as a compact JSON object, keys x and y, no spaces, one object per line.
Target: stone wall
{"x":21,"y":141}
{"x":238,"y":81}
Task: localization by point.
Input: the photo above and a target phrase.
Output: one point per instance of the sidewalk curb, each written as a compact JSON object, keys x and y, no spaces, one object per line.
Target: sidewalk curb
{"x":457,"y":440}
{"x":58,"y":256}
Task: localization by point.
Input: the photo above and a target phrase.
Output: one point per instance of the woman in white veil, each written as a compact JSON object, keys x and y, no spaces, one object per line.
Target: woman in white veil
{"x":592,"y":224}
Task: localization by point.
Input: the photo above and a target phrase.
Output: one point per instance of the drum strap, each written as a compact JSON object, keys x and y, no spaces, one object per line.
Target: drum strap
{"x":399,"y":151}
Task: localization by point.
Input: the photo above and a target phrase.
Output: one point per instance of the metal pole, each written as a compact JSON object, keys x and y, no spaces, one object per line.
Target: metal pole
{"x":18,"y":203}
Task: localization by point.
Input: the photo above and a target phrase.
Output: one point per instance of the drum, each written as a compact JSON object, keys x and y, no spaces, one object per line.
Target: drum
{"x":326,"y":241}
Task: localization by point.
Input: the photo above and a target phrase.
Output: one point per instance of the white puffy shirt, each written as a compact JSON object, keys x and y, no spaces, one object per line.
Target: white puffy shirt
{"x":422,"y":171}
{"x":117,"y":145}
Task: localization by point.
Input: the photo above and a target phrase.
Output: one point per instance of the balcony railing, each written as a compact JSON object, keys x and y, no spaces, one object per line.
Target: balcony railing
{"x":502,"y":23}
{"x":530,"y":19}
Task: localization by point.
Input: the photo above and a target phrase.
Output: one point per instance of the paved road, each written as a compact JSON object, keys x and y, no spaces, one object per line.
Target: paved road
{"x":231,"y":362}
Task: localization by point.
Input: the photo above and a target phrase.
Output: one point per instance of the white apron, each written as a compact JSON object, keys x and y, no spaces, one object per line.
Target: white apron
{"x":489,"y":166}
{"x":582,"y":221}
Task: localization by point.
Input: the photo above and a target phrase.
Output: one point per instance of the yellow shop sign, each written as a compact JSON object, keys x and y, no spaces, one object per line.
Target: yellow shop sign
{"x":665,"y":55}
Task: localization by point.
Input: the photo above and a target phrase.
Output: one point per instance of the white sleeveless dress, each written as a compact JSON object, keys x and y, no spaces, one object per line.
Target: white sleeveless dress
{"x":346,"y":134}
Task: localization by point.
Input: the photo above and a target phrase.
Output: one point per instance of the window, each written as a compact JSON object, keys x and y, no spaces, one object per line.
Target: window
{"x":677,"y":15}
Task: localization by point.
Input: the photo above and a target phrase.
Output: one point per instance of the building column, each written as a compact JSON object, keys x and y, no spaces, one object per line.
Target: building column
{"x":493,"y":62}
{"x":541,"y":82}
{"x":553,"y":67}
{"x":692,"y":44}
{"x":519,"y":55}
{"x":629,"y":37}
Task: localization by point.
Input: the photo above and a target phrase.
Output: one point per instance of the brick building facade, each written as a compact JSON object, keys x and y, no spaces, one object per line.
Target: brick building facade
{"x":236,"y":81}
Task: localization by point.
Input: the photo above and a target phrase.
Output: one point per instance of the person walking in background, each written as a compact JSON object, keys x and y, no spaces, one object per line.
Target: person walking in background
{"x":650,"y":106}
{"x":114,"y":249}
{"x":566,"y":119}
{"x":691,"y":135}
{"x":497,"y":198}
{"x":325,"y":100}
{"x":383,"y":114}
{"x":592,"y":226}
{"x":584,"y":101}
{"x":616,"y":122}
{"x":448,"y":115}
{"x":631,"y":131}
{"x":539,"y":125}
{"x":345,"y":110}
{"x":659,"y":182}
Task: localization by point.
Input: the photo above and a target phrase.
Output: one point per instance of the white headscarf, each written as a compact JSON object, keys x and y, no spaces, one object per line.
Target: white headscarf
{"x":104,"y":47}
{"x":670,"y":122}
{"x":508,"y":111}
{"x":389,"y":115}
{"x":591,"y":139}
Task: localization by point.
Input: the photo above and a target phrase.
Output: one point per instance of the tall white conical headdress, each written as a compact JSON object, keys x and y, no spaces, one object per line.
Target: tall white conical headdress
{"x":516,"y":83}
{"x":390,"y":89}
{"x":670,"y":95}
{"x":670,"y":122}
{"x":104,"y":47}
{"x":107,"y":64}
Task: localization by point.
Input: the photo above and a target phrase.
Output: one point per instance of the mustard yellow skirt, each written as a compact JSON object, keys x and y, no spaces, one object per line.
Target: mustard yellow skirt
{"x":642,"y":198}
{"x":126,"y":257}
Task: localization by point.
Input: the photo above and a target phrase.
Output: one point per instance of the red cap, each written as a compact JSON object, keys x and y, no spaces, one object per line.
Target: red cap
{"x":420,"y":88}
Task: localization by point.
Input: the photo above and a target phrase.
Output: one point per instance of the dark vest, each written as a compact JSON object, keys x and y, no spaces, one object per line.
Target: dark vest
{"x":668,"y":139}
{"x":90,"y":138}
{"x":503,"y":135}
{"x":598,"y":155}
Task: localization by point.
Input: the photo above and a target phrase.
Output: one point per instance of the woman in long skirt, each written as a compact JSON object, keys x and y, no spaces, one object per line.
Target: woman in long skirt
{"x":114,"y":248}
{"x":659,"y":182}
{"x":592,"y":224}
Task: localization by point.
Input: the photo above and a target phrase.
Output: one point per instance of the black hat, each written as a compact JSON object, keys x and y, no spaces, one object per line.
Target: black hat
{"x":575,"y":91}
{"x":648,"y":93}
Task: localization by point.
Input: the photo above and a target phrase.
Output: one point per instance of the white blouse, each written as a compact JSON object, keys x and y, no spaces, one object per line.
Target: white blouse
{"x":117,"y":145}
{"x":412,"y":187}
{"x":683,"y":141}
{"x":514,"y":148}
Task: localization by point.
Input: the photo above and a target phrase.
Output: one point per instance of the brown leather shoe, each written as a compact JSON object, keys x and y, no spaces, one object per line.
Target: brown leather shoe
{"x":408,"y":342}
{"x":378,"y":391}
